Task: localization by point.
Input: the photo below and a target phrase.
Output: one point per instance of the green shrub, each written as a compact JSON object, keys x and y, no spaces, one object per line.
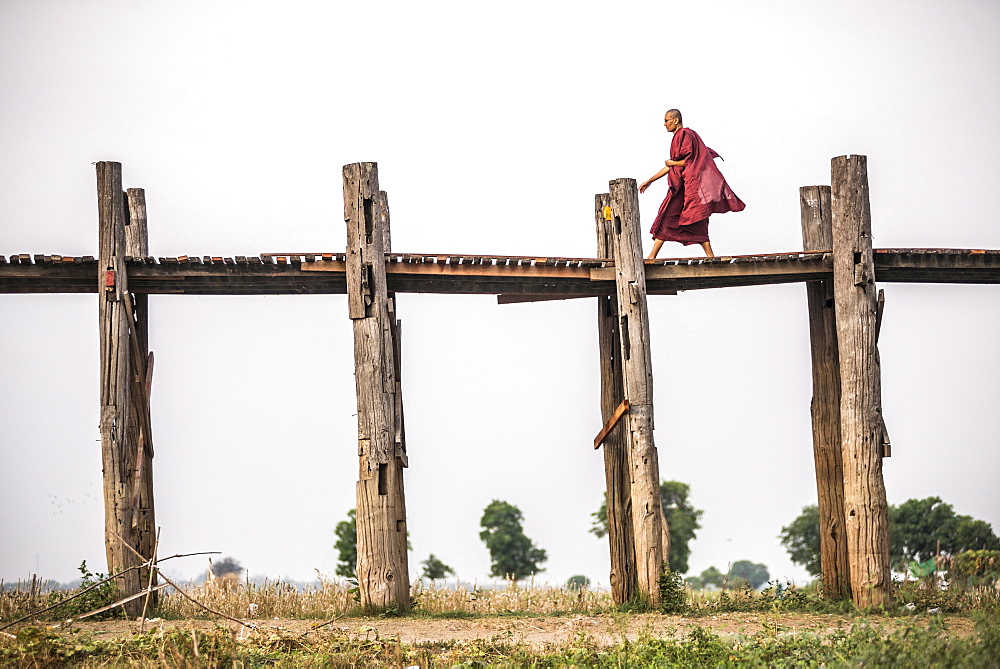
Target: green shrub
{"x":104,"y":594}
{"x":974,"y":568}
{"x":673,"y":592}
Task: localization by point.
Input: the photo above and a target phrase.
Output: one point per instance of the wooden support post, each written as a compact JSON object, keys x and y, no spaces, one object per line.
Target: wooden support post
{"x":616,"y":470}
{"x":861,"y":426}
{"x":637,"y":383}
{"x":118,"y":459}
{"x":817,"y":235}
{"x":382,"y":569}
{"x":140,"y":432}
{"x":401,"y":460}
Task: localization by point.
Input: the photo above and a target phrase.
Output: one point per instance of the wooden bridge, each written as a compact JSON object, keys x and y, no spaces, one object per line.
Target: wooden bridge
{"x":511,"y":278}
{"x":838,"y":264}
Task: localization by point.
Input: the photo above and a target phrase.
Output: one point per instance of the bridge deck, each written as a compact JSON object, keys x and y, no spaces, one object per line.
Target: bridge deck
{"x":325,"y":273}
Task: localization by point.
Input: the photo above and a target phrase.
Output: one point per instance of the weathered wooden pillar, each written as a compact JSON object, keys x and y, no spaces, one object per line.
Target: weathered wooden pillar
{"x":140,"y":432}
{"x":817,"y":235}
{"x":861,"y":427}
{"x":616,"y":468}
{"x":116,"y":379}
{"x":399,"y":425}
{"x":382,"y":569}
{"x":637,"y":384}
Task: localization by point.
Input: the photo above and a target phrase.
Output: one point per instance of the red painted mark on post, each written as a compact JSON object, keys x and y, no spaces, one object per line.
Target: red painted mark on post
{"x":109,"y":278}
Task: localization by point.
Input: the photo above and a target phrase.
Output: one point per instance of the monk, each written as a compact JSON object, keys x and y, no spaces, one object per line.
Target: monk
{"x":697,"y":190}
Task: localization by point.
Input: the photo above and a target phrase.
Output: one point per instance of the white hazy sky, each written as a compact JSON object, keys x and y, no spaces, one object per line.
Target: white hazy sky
{"x":493,"y":125}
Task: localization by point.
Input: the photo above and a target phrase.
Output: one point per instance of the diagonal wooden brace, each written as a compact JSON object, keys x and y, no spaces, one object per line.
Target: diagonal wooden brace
{"x":610,"y":425}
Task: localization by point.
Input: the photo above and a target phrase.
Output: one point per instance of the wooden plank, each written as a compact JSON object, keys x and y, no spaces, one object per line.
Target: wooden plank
{"x":515,"y":298}
{"x":793,"y":267}
{"x":472,"y":271}
{"x":817,"y":233}
{"x":610,"y":424}
{"x":865,"y":506}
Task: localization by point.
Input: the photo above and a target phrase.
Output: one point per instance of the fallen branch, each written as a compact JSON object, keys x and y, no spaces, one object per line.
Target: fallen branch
{"x":149,"y":584}
{"x":316,"y":627}
{"x":210,"y":610}
{"x":178,"y":589}
{"x":141,"y":593}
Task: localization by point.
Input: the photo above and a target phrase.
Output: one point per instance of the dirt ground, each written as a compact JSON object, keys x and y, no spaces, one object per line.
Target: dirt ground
{"x":536,"y":631}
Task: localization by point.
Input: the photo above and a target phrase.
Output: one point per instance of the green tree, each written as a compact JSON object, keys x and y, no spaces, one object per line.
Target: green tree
{"x":682,"y":522}
{"x":972,"y":532}
{"x":347,"y":545}
{"x":695,"y":582}
{"x":753,"y":573}
{"x":435,"y":569}
{"x":801,"y":540}
{"x":915,"y":529}
{"x":513,"y":554}
{"x":918,"y":526}
{"x":712,"y":576}
{"x":577,"y":582}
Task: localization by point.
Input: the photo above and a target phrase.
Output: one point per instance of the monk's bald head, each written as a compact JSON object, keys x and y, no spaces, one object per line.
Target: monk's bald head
{"x":672,"y":121}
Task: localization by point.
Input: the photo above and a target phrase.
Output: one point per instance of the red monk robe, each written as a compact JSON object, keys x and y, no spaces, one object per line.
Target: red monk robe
{"x":697,"y":190}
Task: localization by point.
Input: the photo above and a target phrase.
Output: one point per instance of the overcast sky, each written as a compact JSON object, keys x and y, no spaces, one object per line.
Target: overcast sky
{"x":493,"y":126}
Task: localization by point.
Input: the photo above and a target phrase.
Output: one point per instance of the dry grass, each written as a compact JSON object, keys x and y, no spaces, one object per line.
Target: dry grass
{"x":260,"y":601}
{"x":331,"y":598}
{"x":17,"y":599}
{"x":527,"y":597}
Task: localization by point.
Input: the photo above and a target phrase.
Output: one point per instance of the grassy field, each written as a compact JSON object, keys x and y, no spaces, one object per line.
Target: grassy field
{"x":516,"y":625}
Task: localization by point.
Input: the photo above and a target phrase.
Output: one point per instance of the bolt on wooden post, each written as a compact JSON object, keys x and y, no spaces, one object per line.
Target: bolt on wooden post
{"x":117,"y":454}
{"x":648,"y":523}
{"x":382,"y":569}
{"x":817,"y":235}
{"x":616,"y":469}
{"x":862,"y":430}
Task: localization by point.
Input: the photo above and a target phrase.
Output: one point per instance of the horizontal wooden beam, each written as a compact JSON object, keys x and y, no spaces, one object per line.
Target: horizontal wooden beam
{"x":528,"y":278}
{"x":507,"y":298}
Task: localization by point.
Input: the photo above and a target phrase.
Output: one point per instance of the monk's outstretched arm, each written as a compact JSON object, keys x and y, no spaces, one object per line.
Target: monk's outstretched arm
{"x":659,"y":175}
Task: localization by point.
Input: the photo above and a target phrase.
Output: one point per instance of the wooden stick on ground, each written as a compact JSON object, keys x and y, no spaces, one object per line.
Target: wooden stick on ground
{"x":184,"y":594}
{"x":149,"y":585}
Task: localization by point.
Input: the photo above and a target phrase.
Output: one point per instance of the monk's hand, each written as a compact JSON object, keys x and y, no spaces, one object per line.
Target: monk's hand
{"x":643,"y":186}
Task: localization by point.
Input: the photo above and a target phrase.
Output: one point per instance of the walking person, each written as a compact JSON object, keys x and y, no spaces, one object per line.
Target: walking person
{"x":697,"y":190}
